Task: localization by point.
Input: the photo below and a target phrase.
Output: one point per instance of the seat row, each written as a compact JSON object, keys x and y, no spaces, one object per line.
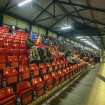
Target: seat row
{"x":41,"y":82}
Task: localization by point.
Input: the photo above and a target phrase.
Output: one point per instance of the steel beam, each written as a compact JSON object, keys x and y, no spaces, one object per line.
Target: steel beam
{"x":6,"y":5}
{"x":37,"y":5}
{"x":92,"y":15}
{"x":50,"y":17}
{"x":57,"y":22}
{"x":82,"y":6}
{"x":42,"y":11}
{"x":77,"y":12}
{"x":65,"y":11}
{"x":90,"y":20}
{"x":59,"y":15}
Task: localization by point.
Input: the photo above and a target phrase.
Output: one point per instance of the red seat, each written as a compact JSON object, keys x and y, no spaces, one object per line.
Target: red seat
{"x":48,"y":81}
{"x":34,"y":70}
{"x":56,"y":66}
{"x":10,"y":76}
{"x":23,"y":59}
{"x":13,"y":60}
{"x":56,"y":78}
{"x":38,"y":86}
{"x":2,"y":62}
{"x":74,"y":69}
{"x":43,"y":68}
{"x":24,"y":73}
{"x":61,"y":74}
{"x":66,"y":72}
{"x":50,"y":67}
{"x":24,"y":92}
{"x":0,"y":82}
{"x":53,"y":65}
{"x":7,"y":97}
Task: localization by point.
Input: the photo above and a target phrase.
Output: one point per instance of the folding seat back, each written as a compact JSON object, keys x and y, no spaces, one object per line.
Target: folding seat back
{"x":58,"y":64}
{"x":68,"y":72}
{"x":43,"y":68}
{"x":38,"y":86}
{"x":56,"y":77}
{"x":1,"y":42}
{"x":75,"y":68}
{"x":24,"y":92}
{"x":65,"y":71}
{"x":34,"y":70}
{"x":24,"y":73}
{"x":48,"y":81}
{"x":72,"y":70}
{"x":23,"y":59}
{"x":2,"y":62}
{"x":0,"y":79}
{"x":53,"y":65}
{"x":13,"y":61}
{"x":61,"y":74}
{"x":78,"y":67}
{"x":50,"y":67}
{"x":7,"y":96}
{"x":10,"y":76}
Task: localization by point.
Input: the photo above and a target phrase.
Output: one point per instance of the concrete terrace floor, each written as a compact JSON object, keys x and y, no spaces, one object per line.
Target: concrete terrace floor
{"x":89,"y":91}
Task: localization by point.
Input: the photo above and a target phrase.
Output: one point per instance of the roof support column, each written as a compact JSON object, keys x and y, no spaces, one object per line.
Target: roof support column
{"x":30,"y":28}
{"x":1,"y":18}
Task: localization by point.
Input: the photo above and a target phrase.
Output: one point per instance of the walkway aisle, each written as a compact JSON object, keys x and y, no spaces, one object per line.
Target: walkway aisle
{"x":80,"y":93}
{"x":97,"y":95}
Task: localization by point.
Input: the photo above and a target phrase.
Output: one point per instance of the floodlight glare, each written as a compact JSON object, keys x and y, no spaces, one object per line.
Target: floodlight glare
{"x":91,"y":44}
{"x":24,"y":2}
{"x":66,"y":27}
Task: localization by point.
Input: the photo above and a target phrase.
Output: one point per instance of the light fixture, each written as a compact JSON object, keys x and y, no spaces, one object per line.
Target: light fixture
{"x":79,"y":37}
{"x":91,"y":44}
{"x":86,"y":40}
{"x":24,"y":2}
{"x":66,"y":27}
{"x":83,"y":39}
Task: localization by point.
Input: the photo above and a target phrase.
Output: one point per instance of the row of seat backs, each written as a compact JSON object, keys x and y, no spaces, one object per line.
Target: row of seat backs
{"x":25,"y":86}
{"x":37,"y":84}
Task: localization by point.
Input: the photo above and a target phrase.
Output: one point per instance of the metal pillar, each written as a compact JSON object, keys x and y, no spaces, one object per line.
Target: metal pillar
{"x":1,"y":18}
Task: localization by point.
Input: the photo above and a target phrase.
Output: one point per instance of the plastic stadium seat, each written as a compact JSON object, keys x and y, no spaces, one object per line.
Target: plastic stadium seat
{"x":43,"y":68}
{"x":66,"y":72}
{"x":34,"y":70}
{"x":2,"y":62}
{"x":72,"y":69}
{"x":38,"y":86}
{"x":2,"y":66}
{"x":56,"y":78}
{"x":61,"y":74}
{"x":50,"y":67}
{"x":75,"y":68}
{"x":48,"y":81}
{"x":53,"y":65}
{"x":58,"y":65}
{"x":24,"y":92}
{"x":23,"y":59}
{"x":13,"y":60}
{"x":10,"y":76}
{"x":7,"y":96}
{"x":0,"y":79}
{"x":24,"y":73}
{"x":69,"y":71}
